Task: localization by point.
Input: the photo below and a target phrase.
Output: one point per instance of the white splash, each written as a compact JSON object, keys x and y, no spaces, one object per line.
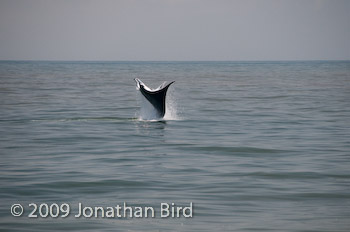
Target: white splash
{"x":171,"y":109}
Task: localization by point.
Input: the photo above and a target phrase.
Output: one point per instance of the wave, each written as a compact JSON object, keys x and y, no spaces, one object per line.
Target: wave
{"x":233,"y":150}
{"x":84,"y":119}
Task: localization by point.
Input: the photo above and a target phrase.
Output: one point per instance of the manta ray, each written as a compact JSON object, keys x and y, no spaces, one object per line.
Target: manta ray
{"x":154,"y":96}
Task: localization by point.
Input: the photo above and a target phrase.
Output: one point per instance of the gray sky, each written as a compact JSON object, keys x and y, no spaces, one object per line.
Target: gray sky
{"x":174,"y":29}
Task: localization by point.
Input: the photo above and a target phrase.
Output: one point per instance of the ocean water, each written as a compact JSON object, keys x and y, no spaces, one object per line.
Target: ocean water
{"x":254,"y":146}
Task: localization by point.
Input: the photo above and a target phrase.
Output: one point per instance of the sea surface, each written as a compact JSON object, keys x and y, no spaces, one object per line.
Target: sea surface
{"x":255,"y":146}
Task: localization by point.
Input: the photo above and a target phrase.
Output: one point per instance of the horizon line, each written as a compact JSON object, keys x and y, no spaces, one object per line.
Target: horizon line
{"x":61,"y":60}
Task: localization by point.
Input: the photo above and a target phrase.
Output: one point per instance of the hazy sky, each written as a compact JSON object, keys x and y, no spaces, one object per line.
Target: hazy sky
{"x":174,"y":29}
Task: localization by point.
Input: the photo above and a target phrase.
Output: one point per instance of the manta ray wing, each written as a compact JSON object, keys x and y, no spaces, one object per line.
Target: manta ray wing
{"x":155,"y":97}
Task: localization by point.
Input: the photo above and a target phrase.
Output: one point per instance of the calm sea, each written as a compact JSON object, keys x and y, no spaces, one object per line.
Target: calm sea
{"x":255,"y":146}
